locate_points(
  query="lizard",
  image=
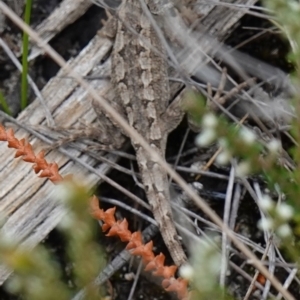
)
(139, 75)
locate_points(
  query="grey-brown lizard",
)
(140, 78)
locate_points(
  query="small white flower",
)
(274, 146)
(265, 224)
(265, 203)
(206, 137)
(223, 158)
(129, 276)
(67, 222)
(197, 186)
(198, 165)
(14, 284)
(294, 5)
(209, 121)
(186, 271)
(285, 211)
(284, 231)
(63, 192)
(9, 240)
(223, 143)
(243, 169)
(247, 135)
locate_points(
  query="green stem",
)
(4, 104)
(24, 86)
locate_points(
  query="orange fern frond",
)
(24, 150)
(137, 247)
